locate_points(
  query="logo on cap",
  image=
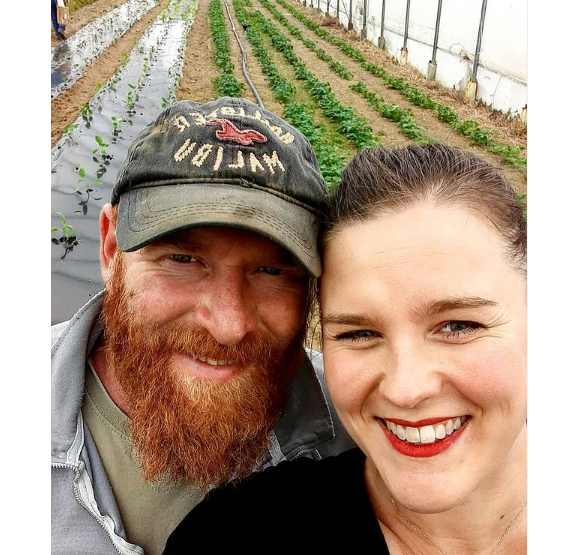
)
(229, 132)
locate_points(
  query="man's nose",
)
(228, 311)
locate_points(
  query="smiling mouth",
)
(214, 362)
(425, 434)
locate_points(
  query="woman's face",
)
(424, 339)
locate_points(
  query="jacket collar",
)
(68, 359)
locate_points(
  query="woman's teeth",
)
(426, 434)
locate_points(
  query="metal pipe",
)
(337, 9)
(364, 27)
(479, 37)
(350, 16)
(382, 37)
(406, 25)
(436, 31)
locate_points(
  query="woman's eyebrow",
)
(453, 303)
(424, 310)
(361, 320)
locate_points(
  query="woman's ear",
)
(107, 227)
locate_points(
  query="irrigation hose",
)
(242, 49)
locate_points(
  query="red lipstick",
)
(421, 449)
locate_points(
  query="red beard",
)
(187, 429)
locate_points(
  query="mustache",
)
(199, 343)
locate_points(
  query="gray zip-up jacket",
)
(85, 517)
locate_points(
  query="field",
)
(342, 93)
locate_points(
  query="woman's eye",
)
(183, 258)
(356, 335)
(460, 328)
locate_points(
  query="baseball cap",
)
(227, 162)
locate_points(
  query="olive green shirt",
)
(150, 512)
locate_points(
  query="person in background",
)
(190, 369)
(423, 301)
(59, 29)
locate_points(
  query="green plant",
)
(86, 114)
(104, 158)
(68, 239)
(226, 84)
(116, 130)
(69, 129)
(84, 188)
(102, 146)
(132, 96)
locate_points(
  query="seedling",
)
(87, 114)
(68, 238)
(132, 97)
(116, 130)
(88, 189)
(69, 130)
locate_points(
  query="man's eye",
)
(183, 258)
(271, 271)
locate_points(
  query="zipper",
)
(79, 469)
(314, 452)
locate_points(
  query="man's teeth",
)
(426, 434)
(215, 362)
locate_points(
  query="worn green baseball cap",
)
(228, 163)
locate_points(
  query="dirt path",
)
(197, 74)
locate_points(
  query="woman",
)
(423, 301)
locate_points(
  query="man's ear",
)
(107, 227)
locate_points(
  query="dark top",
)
(300, 506)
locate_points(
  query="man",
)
(58, 26)
(189, 369)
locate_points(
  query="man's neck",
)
(105, 373)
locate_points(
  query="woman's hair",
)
(392, 180)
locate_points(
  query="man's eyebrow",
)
(281, 257)
(172, 243)
(453, 303)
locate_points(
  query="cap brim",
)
(150, 213)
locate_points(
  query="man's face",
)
(204, 332)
